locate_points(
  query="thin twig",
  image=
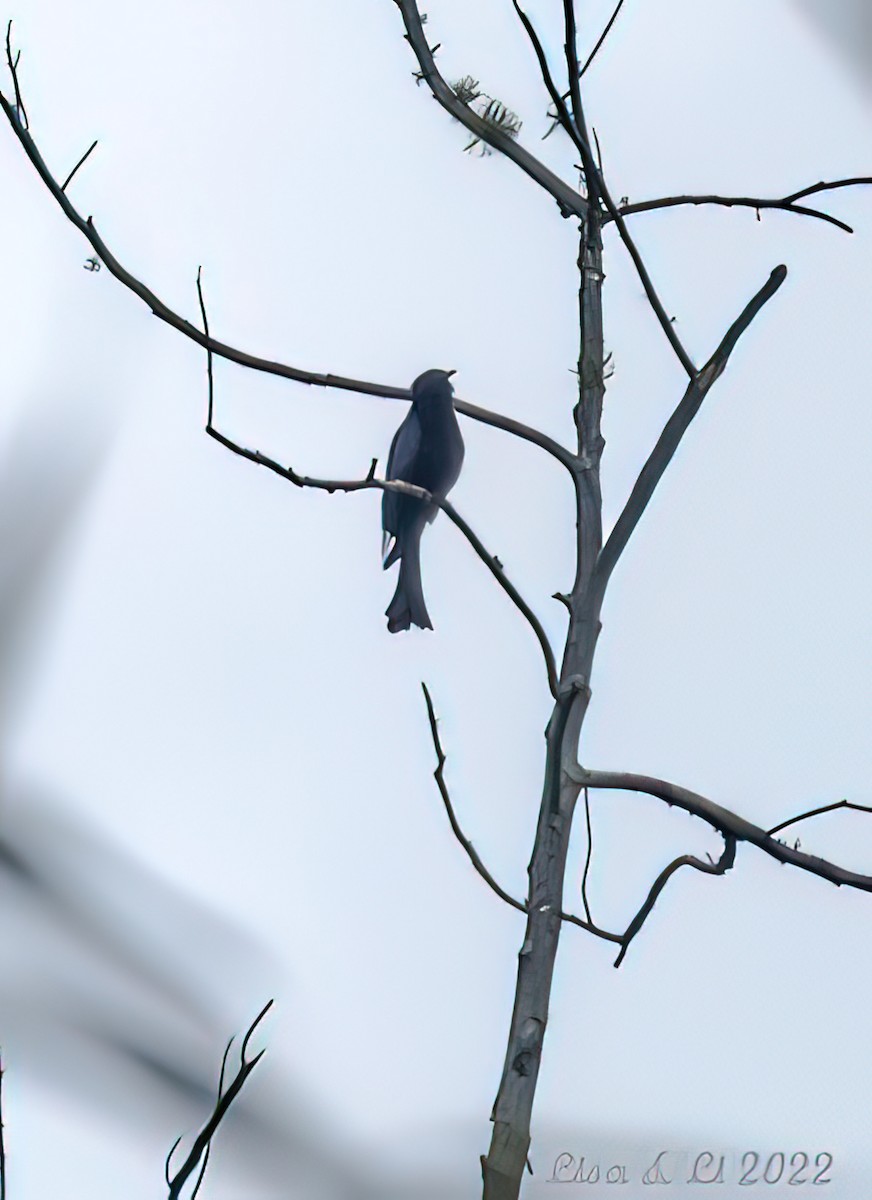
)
(786, 204)
(816, 812)
(605, 33)
(723, 864)
(13, 70)
(208, 1151)
(646, 281)
(588, 857)
(164, 313)
(491, 561)
(575, 126)
(570, 48)
(725, 821)
(563, 116)
(78, 164)
(222, 1105)
(568, 200)
(470, 850)
(467, 845)
(209, 409)
(602, 37)
(674, 431)
(827, 187)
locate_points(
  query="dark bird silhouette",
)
(427, 450)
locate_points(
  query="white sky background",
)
(212, 689)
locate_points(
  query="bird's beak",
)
(448, 374)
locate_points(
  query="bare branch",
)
(491, 561)
(786, 204)
(727, 822)
(816, 812)
(674, 431)
(827, 187)
(254, 363)
(470, 849)
(209, 374)
(568, 201)
(647, 283)
(588, 857)
(467, 845)
(68, 179)
(723, 864)
(208, 1151)
(563, 117)
(12, 63)
(575, 125)
(223, 1103)
(602, 37)
(570, 48)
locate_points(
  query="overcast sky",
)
(210, 741)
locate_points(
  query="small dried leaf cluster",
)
(492, 111)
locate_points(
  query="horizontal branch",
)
(674, 431)
(785, 204)
(164, 313)
(491, 561)
(568, 200)
(725, 821)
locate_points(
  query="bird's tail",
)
(407, 607)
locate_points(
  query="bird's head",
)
(433, 385)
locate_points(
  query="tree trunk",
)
(503, 1167)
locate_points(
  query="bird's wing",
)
(401, 463)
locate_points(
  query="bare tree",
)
(494, 128)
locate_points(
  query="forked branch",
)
(199, 1153)
(568, 200)
(726, 822)
(785, 204)
(575, 123)
(624, 939)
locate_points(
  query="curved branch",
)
(722, 819)
(723, 864)
(756, 202)
(164, 313)
(491, 561)
(674, 430)
(569, 201)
